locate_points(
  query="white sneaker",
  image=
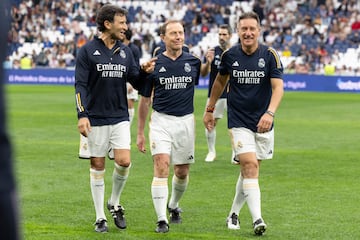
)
(259, 227)
(210, 157)
(232, 222)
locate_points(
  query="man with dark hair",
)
(103, 66)
(132, 94)
(212, 61)
(254, 72)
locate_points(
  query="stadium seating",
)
(145, 17)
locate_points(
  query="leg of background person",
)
(239, 198)
(233, 159)
(211, 141)
(131, 109)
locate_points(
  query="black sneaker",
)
(118, 216)
(259, 227)
(162, 227)
(175, 215)
(101, 225)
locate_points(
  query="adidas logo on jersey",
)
(96, 53)
(162, 69)
(235, 64)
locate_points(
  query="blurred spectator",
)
(291, 67)
(286, 52)
(271, 37)
(7, 64)
(355, 38)
(288, 38)
(346, 71)
(302, 67)
(329, 69)
(41, 59)
(26, 62)
(356, 25)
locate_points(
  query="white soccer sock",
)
(97, 186)
(159, 193)
(252, 196)
(131, 114)
(211, 139)
(239, 198)
(178, 188)
(119, 177)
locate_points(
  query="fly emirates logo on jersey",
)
(248, 77)
(175, 82)
(110, 70)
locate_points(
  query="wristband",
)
(210, 109)
(270, 113)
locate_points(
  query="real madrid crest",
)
(122, 54)
(261, 63)
(187, 67)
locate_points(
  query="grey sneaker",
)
(175, 215)
(259, 227)
(162, 227)
(101, 225)
(118, 216)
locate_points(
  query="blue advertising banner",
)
(320, 83)
(40, 76)
(292, 82)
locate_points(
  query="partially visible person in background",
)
(132, 93)
(9, 218)
(212, 61)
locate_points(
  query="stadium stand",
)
(313, 33)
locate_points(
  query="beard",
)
(222, 43)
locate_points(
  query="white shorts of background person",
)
(132, 93)
(220, 109)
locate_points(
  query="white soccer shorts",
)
(174, 136)
(245, 140)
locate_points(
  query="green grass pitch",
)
(310, 190)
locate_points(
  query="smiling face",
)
(249, 32)
(117, 28)
(173, 36)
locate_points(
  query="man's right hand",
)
(209, 121)
(140, 142)
(84, 126)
